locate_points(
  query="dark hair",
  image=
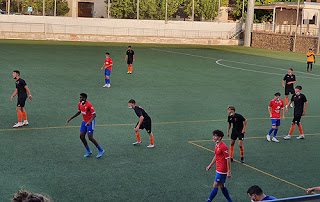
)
(25, 196)
(291, 69)
(218, 133)
(232, 108)
(255, 189)
(107, 53)
(132, 101)
(310, 48)
(84, 95)
(129, 46)
(277, 94)
(299, 87)
(17, 71)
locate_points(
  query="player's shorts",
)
(21, 101)
(275, 122)
(129, 62)
(89, 129)
(309, 63)
(296, 118)
(220, 178)
(146, 124)
(236, 134)
(288, 90)
(107, 72)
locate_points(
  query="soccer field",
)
(184, 89)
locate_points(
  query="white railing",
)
(286, 29)
(19, 27)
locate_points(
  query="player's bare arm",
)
(211, 164)
(14, 94)
(244, 126)
(134, 58)
(305, 109)
(288, 106)
(74, 116)
(310, 190)
(139, 124)
(126, 57)
(229, 168)
(229, 126)
(92, 118)
(270, 113)
(103, 66)
(29, 93)
(283, 114)
(283, 84)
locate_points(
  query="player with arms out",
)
(223, 162)
(300, 108)
(107, 66)
(130, 57)
(21, 89)
(143, 123)
(87, 126)
(287, 83)
(238, 130)
(311, 58)
(275, 107)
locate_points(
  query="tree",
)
(123, 9)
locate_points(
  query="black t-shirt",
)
(141, 112)
(20, 85)
(289, 78)
(237, 121)
(130, 55)
(299, 101)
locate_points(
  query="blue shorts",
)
(107, 72)
(89, 129)
(275, 122)
(220, 178)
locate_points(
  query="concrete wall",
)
(115, 30)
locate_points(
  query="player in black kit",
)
(300, 108)
(143, 123)
(130, 59)
(21, 89)
(287, 83)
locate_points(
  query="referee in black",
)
(130, 58)
(287, 83)
(21, 89)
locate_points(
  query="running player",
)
(222, 159)
(238, 130)
(290, 79)
(21, 89)
(143, 123)
(86, 109)
(311, 58)
(131, 58)
(274, 108)
(300, 108)
(107, 66)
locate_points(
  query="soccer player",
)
(21, 89)
(131, 58)
(300, 108)
(275, 107)
(222, 159)
(256, 194)
(143, 123)
(290, 79)
(86, 109)
(311, 58)
(107, 66)
(238, 130)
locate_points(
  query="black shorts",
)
(146, 124)
(236, 134)
(129, 62)
(288, 90)
(296, 118)
(21, 101)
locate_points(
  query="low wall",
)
(283, 42)
(120, 39)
